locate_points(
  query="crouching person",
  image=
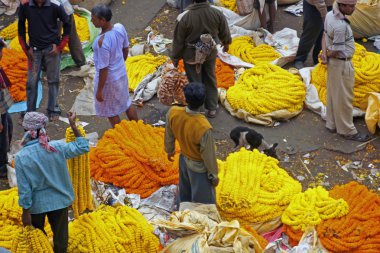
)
(198, 171)
(44, 184)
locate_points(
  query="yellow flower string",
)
(253, 188)
(266, 88)
(244, 48)
(31, 239)
(11, 31)
(79, 169)
(83, 30)
(309, 208)
(229, 4)
(140, 66)
(132, 156)
(367, 72)
(109, 229)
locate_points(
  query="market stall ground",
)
(307, 151)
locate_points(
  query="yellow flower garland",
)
(31, 239)
(266, 88)
(140, 66)
(79, 169)
(253, 188)
(367, 72)
(10, 31)
(229, 4)
(309, 208)
(83, 30)
(244, 48)
(109, 229)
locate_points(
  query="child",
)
(6, 126)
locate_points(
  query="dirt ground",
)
(306, 150)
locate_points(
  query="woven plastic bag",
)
(365, 21)
(372, 115)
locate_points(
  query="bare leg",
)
(272, 16)
(114, 120)
(132, 113)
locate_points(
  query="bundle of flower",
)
(267, 88)
(109, 229)
(79, 169)
(31, 239)
(309, 208)
(11, 31)
(253, 188)
(15, 65)
(132, 156)
(170, 90)
(244, 47)
(229, 4)
(359, 230)
(367, 72)
(225, 74)
(140, 66)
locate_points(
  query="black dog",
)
(250, 139)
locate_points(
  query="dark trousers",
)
(5, 140)
(312, 32)
(59, 224)
(193, 186)
(207, 77)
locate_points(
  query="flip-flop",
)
(211, 114)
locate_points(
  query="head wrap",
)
(346, 1)
(32, 122)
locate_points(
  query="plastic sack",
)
(309, 243)
(372, 115)
(250, 22)
(365, 21)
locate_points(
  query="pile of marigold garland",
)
(367, 72)
(224, 73)
(267, 88)
(15, 65)
(139, 66)
(79, 169)
(132, 156)
(358, 231)
(31, 239)
(253, 188)
(244, 48)
(229, 4)
(109, 229)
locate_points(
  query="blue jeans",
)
(5, 140)
(193, 186)
(52, 64)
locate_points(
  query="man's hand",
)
(54, 50)
(215, 181)
(1, 127)
(175, 63)
(324, 58)
(26, 218)
(29, 54)
(226, 48)
(170, 157)
(99, 96)
(72, 118)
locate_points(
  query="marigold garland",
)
(309, 208)
(225, 74)
(109, 229)
(229, 4)
(267, 88)
(31, 239)
(11, 30)
(261, 240)
(81, 24)
(367, 72)
(140, 66)
(132, 156)
(253, 188)
(79, 169)
(15, 65)
(244, 48)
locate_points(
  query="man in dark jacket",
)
(199, 19)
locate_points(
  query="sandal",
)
(211, 114)
(358, 137)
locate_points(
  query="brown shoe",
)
(360, 137)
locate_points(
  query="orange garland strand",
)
(132, 156)
(261, 240)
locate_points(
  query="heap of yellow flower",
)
(309, 208)
(81, 24)
(31, 239)
(140, 66)
(79, 169)
(229, 4)
(11, 31)
(367, 73)
(244, 48)
(267, 88)
(253, 188)
(109, 229)
(132, 156)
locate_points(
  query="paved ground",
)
(304, 135)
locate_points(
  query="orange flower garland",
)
(132, 156)
(15, 65)
(261, 240)
(225, 74)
